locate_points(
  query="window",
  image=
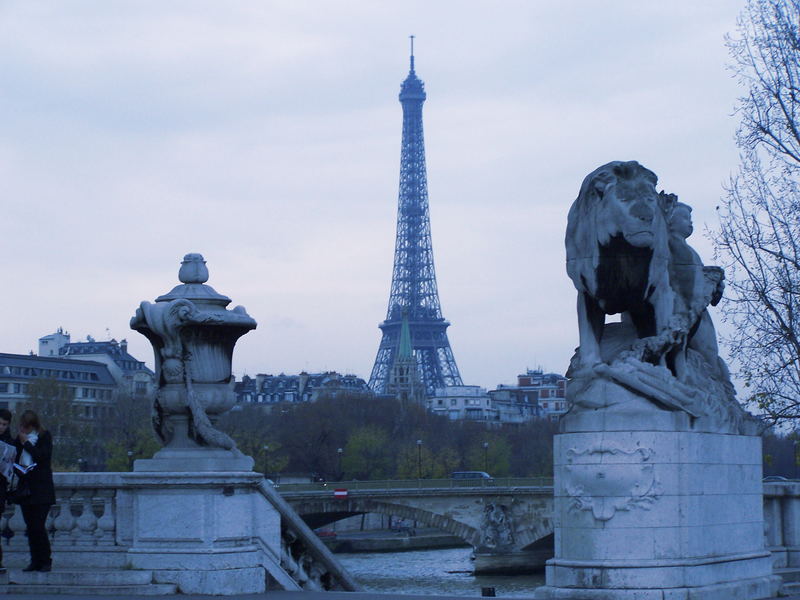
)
(453, 401)
(17, 388)
(3, 387)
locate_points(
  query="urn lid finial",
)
(193, 269)
(193, 275)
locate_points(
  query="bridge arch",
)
(323, 511)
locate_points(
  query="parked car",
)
(471, 476)
(773, 478)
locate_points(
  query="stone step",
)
(790, 589)
(789, 575)
(84, 577)
(152, 589)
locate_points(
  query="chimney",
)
(123, 346)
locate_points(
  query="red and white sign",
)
(340, 493)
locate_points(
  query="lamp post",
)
(266, 461)
(419, 459)
(486, 457)
(130, 460)
(339, 452)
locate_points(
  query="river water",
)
(432, 572)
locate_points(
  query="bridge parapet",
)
(419, 484)
(782, 523)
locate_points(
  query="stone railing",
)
(416, 484)
(91, 526)
(782, 523)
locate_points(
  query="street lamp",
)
(266, 461)
(130, 460)
(419, 459)
(339, 453)
(486, 457)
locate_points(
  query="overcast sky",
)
(266, 136)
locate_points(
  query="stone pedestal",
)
(195, 460)
(654, 510)
(199, 530)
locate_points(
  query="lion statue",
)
(627, 254)
(618, 254)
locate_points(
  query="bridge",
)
(507, 521)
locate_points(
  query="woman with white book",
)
(34, 453)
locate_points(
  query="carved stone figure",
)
(193, 336)
(627, 254)
(496, 528)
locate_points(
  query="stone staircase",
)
(791, 581)
(87, 582)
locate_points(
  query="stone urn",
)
(193, 335)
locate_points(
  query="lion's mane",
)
(589, 227)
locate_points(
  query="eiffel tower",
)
(414, 292)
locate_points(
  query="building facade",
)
(90, 387)
(536, 395)
(130, 374)
(457, 402)
(269, 390)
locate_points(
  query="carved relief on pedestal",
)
(610, 478)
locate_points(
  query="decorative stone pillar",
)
(194, 501)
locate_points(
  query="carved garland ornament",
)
(605, 487)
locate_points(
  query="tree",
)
(73, 436)
(492, 454)
(759, 237)
(128, 432)
(415, 461)
(367, 454)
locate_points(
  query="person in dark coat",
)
(5, 436)
(35, 447)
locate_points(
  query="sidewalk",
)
(272, 595)
(276, 595)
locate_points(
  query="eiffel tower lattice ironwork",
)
(414, 291)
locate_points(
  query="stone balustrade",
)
(91, 526)
(782, 523)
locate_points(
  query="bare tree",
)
(759, 237)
